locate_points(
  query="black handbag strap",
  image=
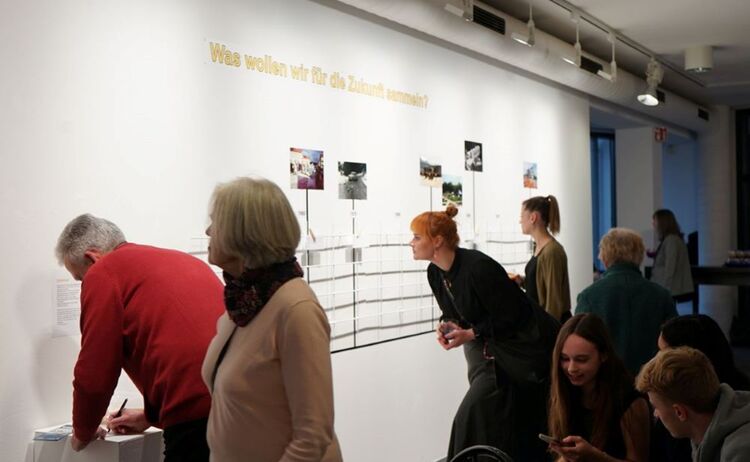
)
(447, 286)
(221, 357)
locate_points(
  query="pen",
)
(119, 412)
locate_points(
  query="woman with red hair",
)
(507, 341)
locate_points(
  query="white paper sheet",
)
(67, 302)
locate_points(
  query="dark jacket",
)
(476, 292)
(633, 309)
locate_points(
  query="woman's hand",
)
(444, 328)
(574, 448)
(517, 278)
(454, 336)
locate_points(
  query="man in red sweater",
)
(151, 312)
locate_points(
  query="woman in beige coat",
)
(671, 268)
(269, 367)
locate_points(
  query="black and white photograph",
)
(472, 156)
(431, 174)
(352, 180)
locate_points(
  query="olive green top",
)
(552, 284)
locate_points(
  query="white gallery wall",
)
(638, 161)
(118, 109)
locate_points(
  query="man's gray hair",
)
(87, 232)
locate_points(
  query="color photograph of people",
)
(306, 168)
(431, 174)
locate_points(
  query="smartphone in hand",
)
(548, 439)
(446, 329)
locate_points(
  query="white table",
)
(146, 447)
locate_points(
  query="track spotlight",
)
(654, 74)
(575, 60)
(465, 10)
(612, 74)
(529, 38)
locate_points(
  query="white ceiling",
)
(665, 27)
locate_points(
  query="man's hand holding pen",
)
(100, 434)
(127, 421)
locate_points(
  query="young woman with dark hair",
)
(671, 263)
(595, 413)
(507, 341)
(703, 333)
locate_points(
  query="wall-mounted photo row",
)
(472, 156)
(530, 177)
(452, 190)
(392, 296)
(352, 180)
(430, 173)
(306, 168)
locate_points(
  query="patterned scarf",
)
(246, 295)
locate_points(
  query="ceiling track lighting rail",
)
(576, 59)
(651, 96)
(599, 24)
(529, 39)
(612, 74)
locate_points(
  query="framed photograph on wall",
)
(452, 190)
(472, 156)
(306, 169)
(530, 177)
(352, 180)
(430, 173)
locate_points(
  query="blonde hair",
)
(251, 219)
(434, 224)
(621, 245)
(682, 375)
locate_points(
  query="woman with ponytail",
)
(507, 341)
(546, 281)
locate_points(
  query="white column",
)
(638, 177)
(717, 219)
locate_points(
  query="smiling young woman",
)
(594, 409)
